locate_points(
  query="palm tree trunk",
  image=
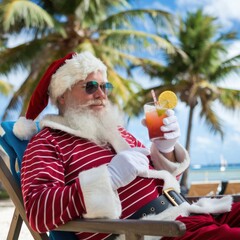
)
(184, 178)
(189, 129)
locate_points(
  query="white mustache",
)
(94, 102)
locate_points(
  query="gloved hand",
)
(127, 165)
(171, 132)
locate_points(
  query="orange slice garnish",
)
(168, 99)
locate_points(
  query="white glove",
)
(171, 132)
(127, 165)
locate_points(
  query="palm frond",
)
(20, 56)
(212, 120)
(23, 10)
(227, 36)
(225, 68)
(21, 97)
(5, 88)
(128, 18)
(229, 98)
(87, 9)
(133, 40)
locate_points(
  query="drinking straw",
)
(154, 97)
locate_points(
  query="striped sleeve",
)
(132, 141)
(48, 201)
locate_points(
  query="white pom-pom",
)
(25, 129)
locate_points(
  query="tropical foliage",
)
(195, 74)
(5, 87)
(112, 30)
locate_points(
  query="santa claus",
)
(83, 163)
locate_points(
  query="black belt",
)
(169, 198)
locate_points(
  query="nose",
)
(100, 93)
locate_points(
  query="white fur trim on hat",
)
(25, 129)
(74, 70)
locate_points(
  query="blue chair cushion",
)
(15, 148)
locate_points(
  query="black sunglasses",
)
(92, 86)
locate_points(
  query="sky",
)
(205, 148)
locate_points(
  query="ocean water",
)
(207, 173)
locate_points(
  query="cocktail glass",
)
(154, 115)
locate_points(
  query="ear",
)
(61, 100)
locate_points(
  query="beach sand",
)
(6, 213)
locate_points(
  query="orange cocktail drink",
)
(154, 120)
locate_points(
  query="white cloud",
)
(18, 39)
(203, 141)
(184, 6)
(231, 146)
(236, 128)
(158, 5)
(236, 138)
(233, 121)
(229, 117)
(226, 10)
(234, 49)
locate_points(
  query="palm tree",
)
(52, 28)
(195, 74)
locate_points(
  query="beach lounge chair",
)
(232, 187)
(198, 189)
(133, 229)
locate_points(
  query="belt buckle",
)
(172, 200)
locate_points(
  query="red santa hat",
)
(60, 76)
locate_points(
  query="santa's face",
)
(77, 95)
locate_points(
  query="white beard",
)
(97, 126)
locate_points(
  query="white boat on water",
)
(223, 163)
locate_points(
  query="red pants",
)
(208, 227)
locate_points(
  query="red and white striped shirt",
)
(50, 184)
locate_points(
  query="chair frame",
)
(232, 187)
(204, 189)
(15, 194)
(133, 229)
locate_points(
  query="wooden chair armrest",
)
(236, 198)
(133, 229)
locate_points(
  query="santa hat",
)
(60, 76)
